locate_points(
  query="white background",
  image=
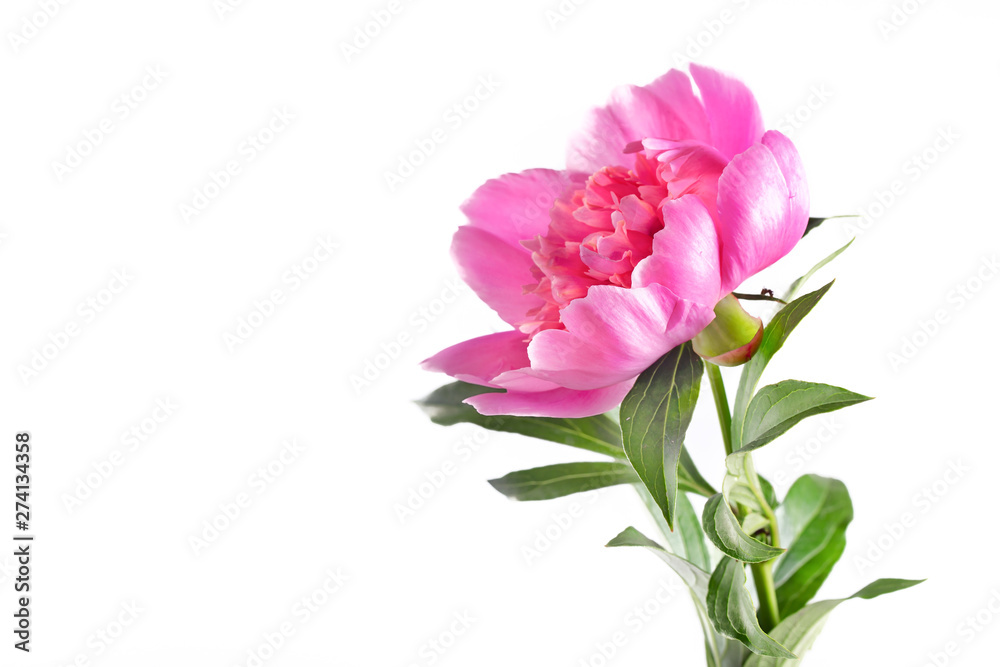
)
(864, 100)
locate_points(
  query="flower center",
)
(597, 236)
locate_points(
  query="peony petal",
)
(685, 256)
(613, 334)
(666, 108)
(563, 403)
(496, 272)
(689, 167)
(479, 360)
(758, 222)
(515, 207)
(732, 110)
(795, 174)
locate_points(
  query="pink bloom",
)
(669, 202)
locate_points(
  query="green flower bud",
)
(732, 337)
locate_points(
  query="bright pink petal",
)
(479, 360)
(795, 175)
(515, 207)
(732, 110)
(564, 403)
(759, 218)
(496, 272)
(690, 167)
(685, 256)
(666, 108)
(613, 334)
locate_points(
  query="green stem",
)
(763, 580)
(763, 577)
(721, 405)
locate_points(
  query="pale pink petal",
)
(666, 108)
(479, 360)
(613, 334)
(564, 403)
(732, 110)
(515, 207)
(758, 221)
(685, 255)
(496, 272)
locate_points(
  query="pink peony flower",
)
(669, 202)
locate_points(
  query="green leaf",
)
(719, 651)
(687, 541)
(654, 418)
(816, 222)
(692, 575)
(778, 407)
(768, 490)
(794, 287)
(775, 334)
(563, 479)
(813, 521)
(723, 529)
(732, 610)
(813, 224)
(596, 434)
(799, 631)
(689, 479)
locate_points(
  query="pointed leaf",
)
(692, 575)
(813, 521)
(813, 223)
(597, 434)
(732, 610)
(563, 479)
(723, 529)
(654, 418)
(799, 631)
(793, 289)
(689, 479)
(775, 334)
(778, 407)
